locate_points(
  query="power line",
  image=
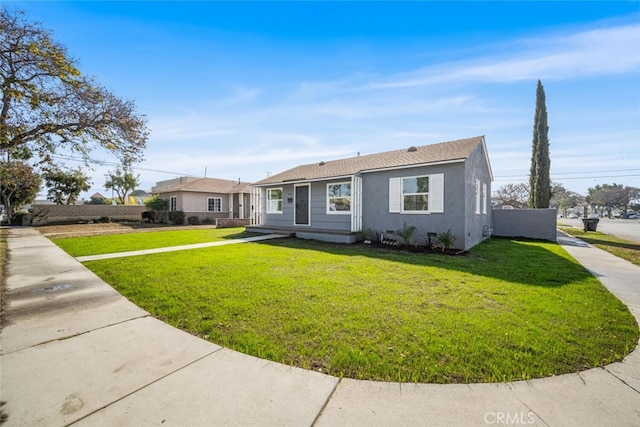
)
(524, 178)
(575, 173)
(107, 163)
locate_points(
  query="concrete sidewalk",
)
(76, 352)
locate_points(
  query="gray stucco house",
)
(433, 187)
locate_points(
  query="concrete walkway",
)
(76, 352)
(178, 248)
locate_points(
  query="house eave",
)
(304, 180)
(348, 176)
(417, 165)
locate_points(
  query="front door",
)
(302, 205)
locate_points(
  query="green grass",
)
(104, 244)
(622, 248)
(508, 310)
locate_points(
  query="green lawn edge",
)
(506, 311)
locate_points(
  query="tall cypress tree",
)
(540, 178)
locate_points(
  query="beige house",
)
(206, 198)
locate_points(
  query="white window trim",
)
(477, 196)
(214, 198)
(484, 199)
(428, 193)
(436, 195)
(329, 211)
(268, 207)
(173, 203)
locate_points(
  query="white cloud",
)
(596, 52)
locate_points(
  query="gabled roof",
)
(209, 185)
(450, 151)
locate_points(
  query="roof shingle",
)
(444, 151)
(209, 185)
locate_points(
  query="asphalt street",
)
(624, 228)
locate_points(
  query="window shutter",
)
(436, 193)
(395, 194)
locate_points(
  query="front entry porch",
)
(333, 236)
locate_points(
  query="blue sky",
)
(244, 89)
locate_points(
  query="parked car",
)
(573, 216)
(633, 216)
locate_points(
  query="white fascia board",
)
(304, 181)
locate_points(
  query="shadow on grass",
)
(604, 242)
(530, 263)
(241, 235)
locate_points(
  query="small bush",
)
(103, 220)
(365, 234)
(406, 232)
(148, 216)
(19, 218)
(176, 217)
(446, 238)
(155, 203)
(208, 221)
(193, 220)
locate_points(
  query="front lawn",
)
(105, 244)
(508, 310)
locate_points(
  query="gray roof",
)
(457, 150)
(208, 185)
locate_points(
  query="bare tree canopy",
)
(48, 104)
(516, 195)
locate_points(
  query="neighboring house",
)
(206, 197)
(138, 198)
(436, 188)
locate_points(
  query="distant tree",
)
(563, 199)
(122, 181)
(516, 195)
(604, 198)
(634, 198)
(19, 185)
(65, 186)
(48, 104)
(540, 178)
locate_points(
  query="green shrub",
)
(193, 220)
(365, 234)
(155, 203)
(406, 232)
(176, 217)
(208, 221)
(446, 238)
